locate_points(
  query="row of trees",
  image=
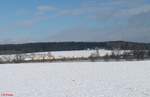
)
(48, 57)
(20, 58)
(122, 55)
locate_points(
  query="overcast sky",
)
(24, 21)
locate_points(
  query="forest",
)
(68, 46)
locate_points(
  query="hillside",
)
(67, 46)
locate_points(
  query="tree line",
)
(114, 55)
(119, 55)
(68, 46)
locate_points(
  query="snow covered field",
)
(58, 54)
(87, 79)
(61, 54)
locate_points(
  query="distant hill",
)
(67, 46)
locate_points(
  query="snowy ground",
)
(87, 79)
(61, 54)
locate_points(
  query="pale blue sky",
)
(74, 20)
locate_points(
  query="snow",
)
(82, 53)
(79, 53)
(61, 54)
(75, 53)
(76, 79)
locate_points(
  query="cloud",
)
(117, 9)
(42, 9)
(135, 26)
(133, 16)
(81, 33)
(29, 23)
(23, 24)
(96, 9)
(133, 11)
(100, 10)
(77, 34)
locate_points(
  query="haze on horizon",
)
(25, 21)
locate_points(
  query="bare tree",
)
(19, 58)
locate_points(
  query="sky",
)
(23, 21)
